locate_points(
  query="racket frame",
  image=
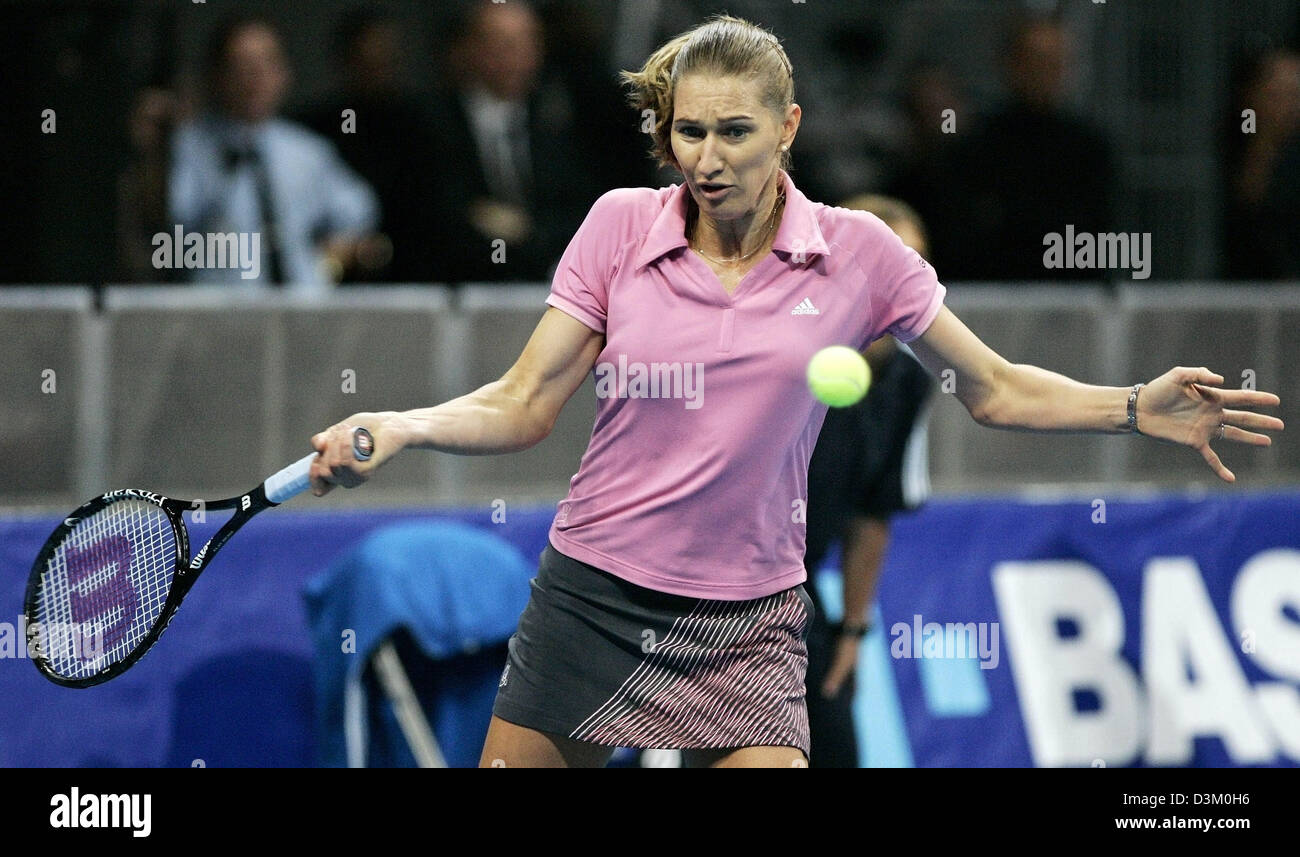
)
(184, 575)
(283, 486)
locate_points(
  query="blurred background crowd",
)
(464, 141)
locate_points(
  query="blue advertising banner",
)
(1162, 632)
(1157, 633)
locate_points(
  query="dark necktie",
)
(237, 157)
(506, 160)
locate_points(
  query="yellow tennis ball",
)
(838, 376)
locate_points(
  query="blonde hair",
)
(893, 211)
(723, 45)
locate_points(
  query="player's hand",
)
(843, 663)
(1186, 406)
(337, 464)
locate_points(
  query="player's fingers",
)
(1252, 420)
(319, 476)
(336, 462)
(1212, 459)
(340, 447)
(1249, 398)
(344, 475)
(831, 684)
(1195, 379)
(1201, 375)
(839, 672)
(344, 466)
(1237, 435)
(324, 443)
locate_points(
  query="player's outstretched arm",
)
(512, 413)
(1184, 405)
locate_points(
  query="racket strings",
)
(104, 587)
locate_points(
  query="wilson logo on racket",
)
(121, 565)
(100, 589)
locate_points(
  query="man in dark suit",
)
(509, 173)
(1027, 169)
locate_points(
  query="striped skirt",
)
(599, 659)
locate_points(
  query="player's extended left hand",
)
(1188, 407)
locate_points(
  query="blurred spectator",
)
(870, 463)
(239, 168)
(1027, 170)
(142, 185)
(513, 178)
(924, 160)
(1262, 211)
(386, 138)
(578, 42)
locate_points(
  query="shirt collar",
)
(798, 233)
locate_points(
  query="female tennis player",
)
(668, 609)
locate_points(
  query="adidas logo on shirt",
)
(805, 308)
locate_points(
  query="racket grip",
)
(293, 480)
(289, 482)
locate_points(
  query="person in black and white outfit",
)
(869, 464)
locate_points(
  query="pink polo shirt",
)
(695, 479)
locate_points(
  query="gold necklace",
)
(771, 221)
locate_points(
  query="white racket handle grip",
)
(293, 480)
(290, 482)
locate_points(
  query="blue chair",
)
(409, 630)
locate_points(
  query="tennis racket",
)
(112, 575)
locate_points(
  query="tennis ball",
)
(838, 376)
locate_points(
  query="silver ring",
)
(1222, 429)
